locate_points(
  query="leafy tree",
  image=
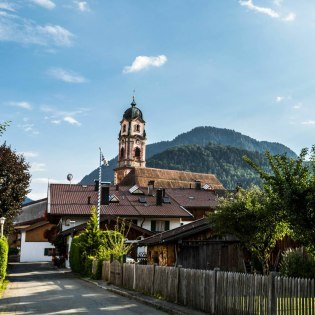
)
(14, 183)
(249, 215)
(291, 183)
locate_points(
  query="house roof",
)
(177, 233)
(65, 199)
(82, 226)
(32, 212)
(169, 178)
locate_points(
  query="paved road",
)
(37, 288)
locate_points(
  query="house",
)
(194, 246)
(30, 233)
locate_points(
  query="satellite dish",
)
(69, 177)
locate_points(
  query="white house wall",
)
(33, 251)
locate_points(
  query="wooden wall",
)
(37, 234)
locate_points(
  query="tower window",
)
(137, 128)
(124, 128)
(122, 152)
(137, 152)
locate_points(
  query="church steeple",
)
(132, 141)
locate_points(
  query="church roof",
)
(133, 112)
(169, 178)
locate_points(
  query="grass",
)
(3, 286)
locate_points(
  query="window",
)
(124, 128)
(48, 251)
(122, 152)
(136, 128)
(160, 226)
(137, 152)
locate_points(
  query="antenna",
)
(69, 178)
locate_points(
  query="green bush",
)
(297, 263)
(75, 255)
(4, 250)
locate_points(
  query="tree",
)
(291, 184)
(249, 215)
(14, 183)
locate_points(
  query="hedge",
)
(4, 250)
(75, 258)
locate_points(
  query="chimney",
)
(89, 200)
(163, 190)
(197, 184)
(159, 197)
(150, 187)
(96, 184)
(105, 195)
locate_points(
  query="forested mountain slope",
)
(201, 136)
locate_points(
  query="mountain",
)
(223, 161)
(201, 136)
(27, 200)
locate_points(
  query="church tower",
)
(132, 142)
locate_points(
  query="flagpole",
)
(99, 191)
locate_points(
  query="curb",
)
(157, 304)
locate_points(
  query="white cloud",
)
(56, 121)
(24, 105)
(82, 6)
(29, 154)
(71, 121)
(297, 106)
(308, 122)
(29, 128)
(144, 62)
(249, 4)
(279, 99)
(47, 4)
(7, 6)
(290, 17)
(278, 2)
(25, 31)
(66, 76)
(38, 167)
(264, 10)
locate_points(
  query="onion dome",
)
(133, 112)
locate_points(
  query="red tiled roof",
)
(169, 178)
(73, 200)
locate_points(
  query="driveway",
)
(37, 288)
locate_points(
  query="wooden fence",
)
(217, 292)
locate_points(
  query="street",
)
(37, 288)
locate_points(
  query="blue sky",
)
(69, 68)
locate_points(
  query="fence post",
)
(177, 283)
(272, 300)
(134, 276)
(153, 277)
(214, 290)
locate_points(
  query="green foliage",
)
(297, 263)
(14, 183)
(249, 215)
(4, 250)
(3, 127)
(291, 183)
(75, 255)
(94, 243)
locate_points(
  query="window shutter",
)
(167, 225)
(153, 225)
